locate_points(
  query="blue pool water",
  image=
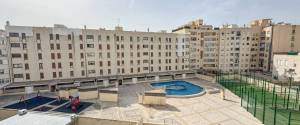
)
(179, 88)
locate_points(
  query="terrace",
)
(209, 108)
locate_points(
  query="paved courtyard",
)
(208, 109)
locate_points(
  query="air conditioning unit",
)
(22, 112)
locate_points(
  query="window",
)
(26, 66)
(91, 54)
(108, 47)
(52, 46)
(23, 36)
(89, 37)
(59, 74)
(69, 37)
(91, 71)
(101, 72)
(81, 46)
(82, 73)
(131, 38)
(51, 36)
(54, 75)
(25, 56)
(58, 46)
(18, 75)
(15, 45)
(52, 56)
(39, 47)
(57, 36)
(100, 63)
(58, 56)
(82, 64)
(81, 55)
(38, 36)
(59, 65)
(90, 45)
(109, 71)
(107, 38)
(91, 62)
(108, 55)
(80, 37)
(40, 65)
(1, 71)
(24, 46)
(72, 73)
(108, 63)
(71, 64)
(27, 76)
(17, 65)
(41, 75)
(138, 39)
(70, 56)
(100, 47)
(70, 46)
(53, 66)
(99, 37)
(16, 55)
(12, 34)
(40, 56)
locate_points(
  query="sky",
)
(143, 14)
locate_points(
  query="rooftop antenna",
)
(118, 21)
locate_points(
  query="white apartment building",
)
(4, 65)
(49, 53)
(286, 65)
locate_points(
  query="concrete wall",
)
(207, 78)
(6, 113)
(111, 97)
(88, 94)
(154, 100)
(96, 121)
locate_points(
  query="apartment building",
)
(285, 38)
(211, 50)
(197, 30)
(49, 53)
(238, 50)
(4, 65)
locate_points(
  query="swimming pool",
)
(180, 88)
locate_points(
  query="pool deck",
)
(208, 109)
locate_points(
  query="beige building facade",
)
(4, 60)
(49, 53)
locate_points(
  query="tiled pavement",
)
(209, 109)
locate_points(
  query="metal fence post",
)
(255, 101)
(288, 99)
(273, 95)
(284, 97)
(264, 109)
(275, 110)
(242, 97)
(290, 115)
(248, 101)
